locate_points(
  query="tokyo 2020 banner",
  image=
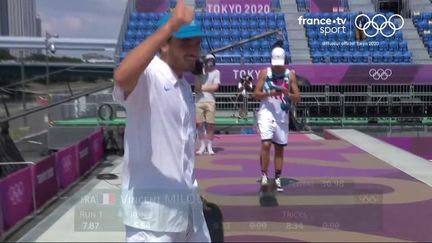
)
(45, 180)
(67, 166)
(238, 6)
(335, 74)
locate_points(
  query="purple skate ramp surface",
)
(334, 191)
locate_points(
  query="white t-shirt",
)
(159, 189)
(270, 107)
(212, 77)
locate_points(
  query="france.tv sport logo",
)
(378, 27)
(327, 25)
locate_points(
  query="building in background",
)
(18, 18)
(4, 22)
(38, 26)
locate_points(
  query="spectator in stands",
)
(205, 86)
(272, 117)
(158, 173)
(361, 21)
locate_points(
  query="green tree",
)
(41, 58)
(5, 55)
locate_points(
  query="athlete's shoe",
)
(201, 150)
(278, 184)
(210, 150)
(264, 180)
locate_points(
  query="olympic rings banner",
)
(17, 196)
(238, 6)
(45, 180)
(335, 74)
(387, 27)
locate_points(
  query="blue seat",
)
(142, 17)
(388, 57)
(355, 58)
(280, 23)
(345, 57)
(383, 46)
(393, 46)
(199, 15)
(130, 34)
(134, 16)
(314, 45)
(133, 25)
(427, 15)
(398, 35)
(364, 57)
(416, 17)
(398, 57)
(377, 57)
(312, 34)
(272, 24)
(216, 43)
(127, 45)
(407, 57)
(335, 57)
(372, 47)
(403, 45)
(422, 25)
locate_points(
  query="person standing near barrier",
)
(205, 86)
(245, 86)
(273, 112)
(160, 200)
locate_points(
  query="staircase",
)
(298, 43)
(361, 5)
(415, 44)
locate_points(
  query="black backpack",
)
(214, 220)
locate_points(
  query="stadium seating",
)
(221, 30)
(341, 46)
(423, 22)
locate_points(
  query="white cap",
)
(209, 56)
(278, 57)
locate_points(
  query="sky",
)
(82, 18)
(100, 19)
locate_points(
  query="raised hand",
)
(182, 14)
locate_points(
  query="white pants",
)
(140, 235)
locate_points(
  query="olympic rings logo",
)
(16, 193)
(379, 28)
(380, 74)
